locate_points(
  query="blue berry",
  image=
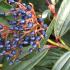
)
(11, 1)
(45, 25)
(8, 57)
(1, 46)
(38, 38)
(1, 27)
(3, 52)
(15, 35)
(13, 52)
(29, 7)
(22, 12)
(25, 42)
(17, 60)
(20, 28)
(14, 43)
(16, 39)
(30, 50)
(8, 48)
(15, 15)
(31, 42)
(30, 24)
(40, 20)
(16, 28)
(27, 38)
(43, 33)
(20, 46)
(11, 62)
(22, 21)
(12, 22)
(7, 42)
(32, 33)
(32, 38)
(34, 45)
(11, 55)
(29, 15)
(24, 4)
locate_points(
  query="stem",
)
(20, 1)
(58, 44)
(1, 65)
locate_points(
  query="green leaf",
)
(62, 24)
(29, 64)
(63, 63)
(4, 6)
(66, 38)
(4, 22)
(51, 57)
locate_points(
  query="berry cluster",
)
(26, 29)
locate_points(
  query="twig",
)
(58, 45)
(1, 65)
(20, 1)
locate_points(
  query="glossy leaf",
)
(50, 59)
(63, 63)
(62, 24)
(4, 6)
(4, 22)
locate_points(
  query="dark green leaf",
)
(4, 6)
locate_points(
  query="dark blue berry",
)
(31, 42)
(13, 52)
(17, 60)
(25, 42)
(7, 42)
(27, 38)
(1, 46)
(24, 4)
(1, 27)
(11, 1)
(11, 62)
(34, 45)
(32, 33)
(22, 12)
(30, 24)
(12, 22)
(20, 46)
(8, 57)
(17, 39)
(31, 50)
(45, 25)
(20, 28)
(16, 28)
(38, 38)
(22, 21)
(29, 7)
(29, 15)
(40, 20)
(32, 38)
